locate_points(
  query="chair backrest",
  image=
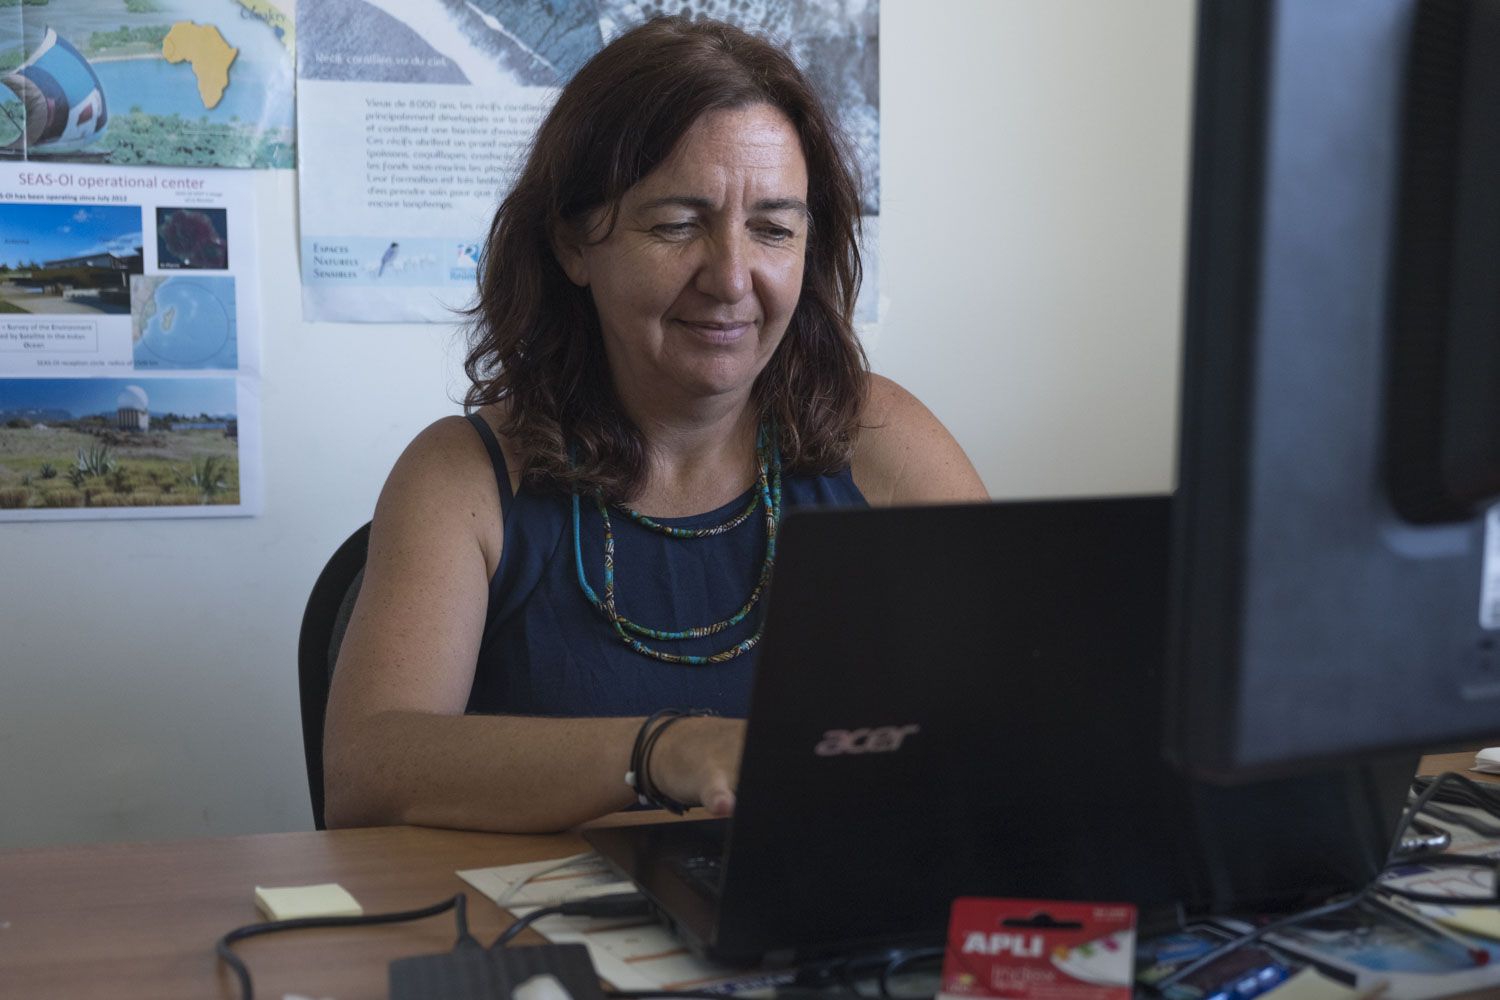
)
(323, 625)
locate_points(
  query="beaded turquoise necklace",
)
(766, 495)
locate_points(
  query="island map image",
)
(184, 322)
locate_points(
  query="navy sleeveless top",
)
(547, 651)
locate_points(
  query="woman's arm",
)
(904, 455)
(397, 746)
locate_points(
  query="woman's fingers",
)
(718, 798)
(697, 761)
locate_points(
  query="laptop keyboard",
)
(703, 872)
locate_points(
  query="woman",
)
(663, 359)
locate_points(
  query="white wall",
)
(1034, 170)
(1032, 223)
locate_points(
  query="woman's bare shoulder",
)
(903, 454)
(435, 541)
(447, 455)
(443, 482)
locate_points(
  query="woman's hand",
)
(697, 761)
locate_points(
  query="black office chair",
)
(323, 625)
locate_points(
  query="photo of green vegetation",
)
(88, 465)
(128, 456)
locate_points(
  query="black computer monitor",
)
(1337, 543)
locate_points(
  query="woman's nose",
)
(725, 270)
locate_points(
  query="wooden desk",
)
(1460, 762)
(129, 921)
(140, 920)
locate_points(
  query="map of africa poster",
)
(184, 83)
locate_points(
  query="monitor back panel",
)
(1315, 622)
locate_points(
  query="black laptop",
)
(966, 700)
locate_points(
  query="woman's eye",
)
(777, 234)
(673, 229)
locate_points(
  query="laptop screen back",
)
(958, 700)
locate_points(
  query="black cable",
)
(226, 955)
(844, 973)
(1433, 838)
(1474, 793)
(1454, 788)
(1449, 783)
(1456, 818)
(622, 904)
(509, 934)
(1449, 861)
(1485, 807)
(1413, 809)
(848, 972)
(1325, 910)
(670, 994)
(900, 961)
(889, 964)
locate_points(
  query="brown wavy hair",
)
(534, 338)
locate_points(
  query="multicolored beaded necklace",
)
(767, 495)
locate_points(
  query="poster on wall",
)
(129, 343)
(413, 116)
(186, 83)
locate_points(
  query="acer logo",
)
(881, 739)
(1000, 944)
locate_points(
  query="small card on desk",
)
(1016, 949)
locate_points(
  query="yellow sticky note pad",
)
(1481, 920)
(294, 902)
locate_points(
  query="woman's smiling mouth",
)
(718, 331)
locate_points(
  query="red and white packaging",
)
(1039, 949)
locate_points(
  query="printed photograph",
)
(64, 258)
(165, 442)
(189, 83)
(185, 321)
(196, 238)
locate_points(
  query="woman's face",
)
(698, 281)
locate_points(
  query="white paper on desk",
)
(590, 876)
(1413, 966)
(633, 954)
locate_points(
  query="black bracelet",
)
(653, 794)
(639, 775)
(632, 776)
